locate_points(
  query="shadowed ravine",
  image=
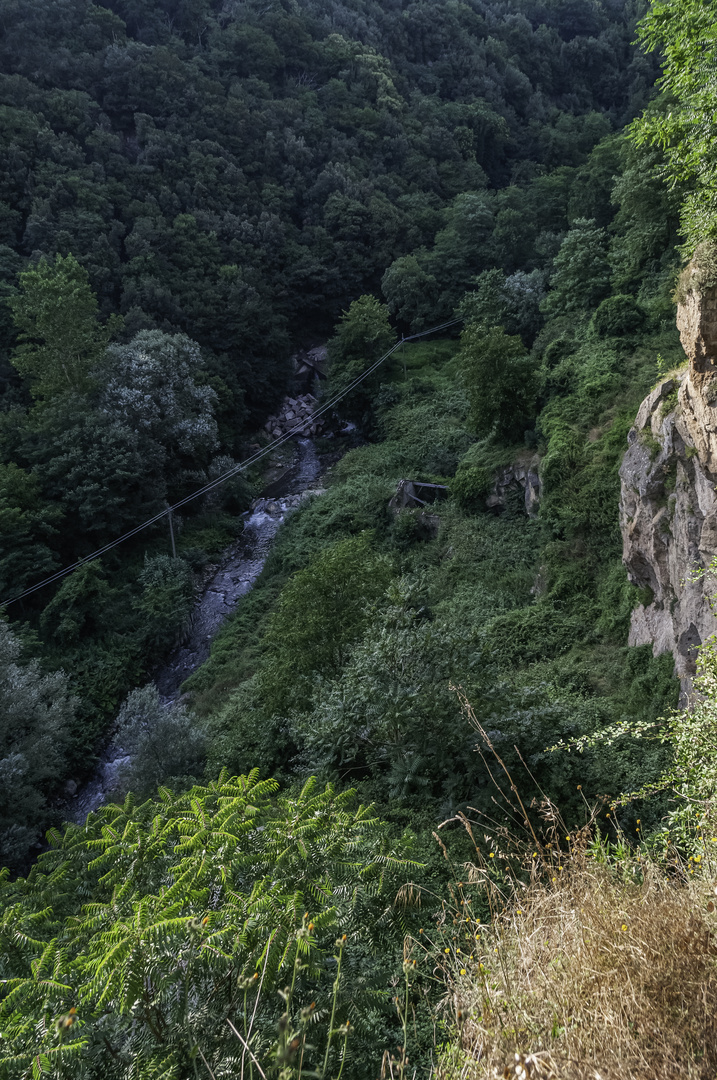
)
(240, 566)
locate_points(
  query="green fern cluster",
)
(187, 936)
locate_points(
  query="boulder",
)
(296, 417)
(523, 478)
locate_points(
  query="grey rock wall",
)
(668, 505)
(520, 477)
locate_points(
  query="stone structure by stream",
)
(296, 415)
(521, 478)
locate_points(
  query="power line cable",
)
(240, 467)
(231, 472)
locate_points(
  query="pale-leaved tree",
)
(36, 711)
(164, 742)
(154, 386)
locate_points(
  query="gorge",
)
(399, 759)
(239, 567)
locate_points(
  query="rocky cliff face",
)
(668, 506)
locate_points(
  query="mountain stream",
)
(235, 575)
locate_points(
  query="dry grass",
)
(596, 964)
(596, 977)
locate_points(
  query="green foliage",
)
(362, 336)
(26, 526)
(688, 768)
(36, 714)
(582, 385)
(616, 316)
(645, 229)
(581, 274)
(411, 292)
(470, 486)
(102, 474)
(323, 153)
(153, 385)
(539, 632)
(164, 743)
(581, 490)
(391, 713)
(679, 124)
(500, 381)
(321, 611)
(529, 616)
(242, 727)
(79, 609)
(56, 318)
(137, 936)
(166, 601)
(511, 302)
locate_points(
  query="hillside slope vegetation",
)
(191, 190)
(441, 691)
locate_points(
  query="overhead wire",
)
(234, 471)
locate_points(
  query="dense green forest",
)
(192, 191)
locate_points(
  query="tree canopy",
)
(60, 339)
(680, 123)
(37, 712)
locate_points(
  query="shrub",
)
(362, 336)
(581, 272)
(165, 743)
(617, 316)
(391, 713)
(165, 603)
(596, 959)
(500, 380)
(36, 716)
(470, 486)
(322, 610)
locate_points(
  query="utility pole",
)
(171, 531)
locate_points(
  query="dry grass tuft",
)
(596, 964)
(589, 976)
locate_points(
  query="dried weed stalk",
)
(585, 970)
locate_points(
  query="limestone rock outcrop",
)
(519, 478)
(668, 505)
(697, 323)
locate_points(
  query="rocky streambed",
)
(233, 577)
(240, 567)
(297, 415)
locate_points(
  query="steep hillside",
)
(192, 191)
(486, 844)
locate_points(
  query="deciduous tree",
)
(500, 380)
(362, 336)
(36, 711)
(60, 336)
(581, 275)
